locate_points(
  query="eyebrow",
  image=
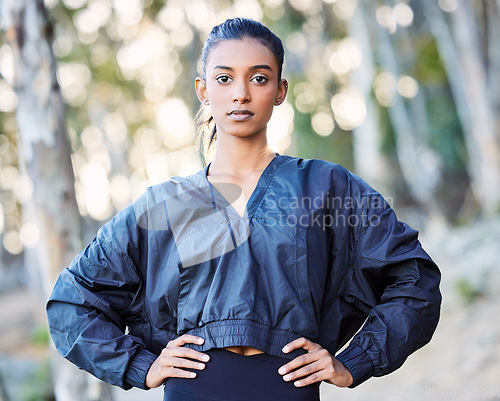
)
(252, 68)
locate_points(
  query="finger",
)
(186, 339)
(176, 372)
(298, 362)
(301, 342)
(163, 369)
(182, 363)
(185, 352)
(314, 378)
(305, 371)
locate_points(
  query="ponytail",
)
(206, 127)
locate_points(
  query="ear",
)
(282, 91)
(201, 90)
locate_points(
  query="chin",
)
(246, 133)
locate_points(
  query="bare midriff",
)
(244, 350)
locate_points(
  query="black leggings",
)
(229, 376)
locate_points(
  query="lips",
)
(240, 115)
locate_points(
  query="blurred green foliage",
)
(39, 386)
(40, 335)
(469, 292)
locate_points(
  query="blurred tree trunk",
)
(368, 159)
(45, 150)
(492, 24)
(411, 148)
(3, 391)
(472, 62)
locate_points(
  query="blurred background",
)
(97, 102)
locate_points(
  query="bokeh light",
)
(8, 177)
(12, 242)
(304, 6)
(91, 138)
(407, 86)
(50, 3)
(9, 206)
(29, 235)
(349, 108)
(149, 45)
(74, 4)
(273, 3)
(8, 98)
(63, 45)
(74, 79)
(403, 15)
(116, 130)
(120, 191)
(385, 87)
(346, 56)
(296, 43)
(128, 12)
(23, 189)
(448, 6)
(249, 8)
(280, 127)
(322, 123)
(171, 17)
(275, 12)
(386, 18)
(175, 121)
(160, 167)
(6, 64)
(344, 9)
(202, 16)
(88, 20)
(95, 191)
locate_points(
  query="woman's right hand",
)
(173, 357)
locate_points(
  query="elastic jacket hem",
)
(234, 332)
(359, 364)
(138, 369)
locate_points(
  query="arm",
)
(100, 293)
(392, 282)
(396, 284)
(87, 313)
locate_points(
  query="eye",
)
(260, 79)
(223, 79)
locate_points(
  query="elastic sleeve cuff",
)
(138, 369)
(357, 362)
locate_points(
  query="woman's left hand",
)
(317, 365)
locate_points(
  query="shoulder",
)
(176, 191)
(147, 210)
(175, 186)
(338, 178)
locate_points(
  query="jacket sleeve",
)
(92, 302)
(396, 284)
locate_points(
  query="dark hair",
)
(234, 29)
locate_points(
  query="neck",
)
(240, 156)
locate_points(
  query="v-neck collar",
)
(258, 193)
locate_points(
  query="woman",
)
(242, 281)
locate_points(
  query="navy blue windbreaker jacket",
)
(317, 254)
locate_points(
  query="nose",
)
(241, 93)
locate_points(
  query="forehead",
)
(240, 53)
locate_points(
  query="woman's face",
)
(241, 87)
